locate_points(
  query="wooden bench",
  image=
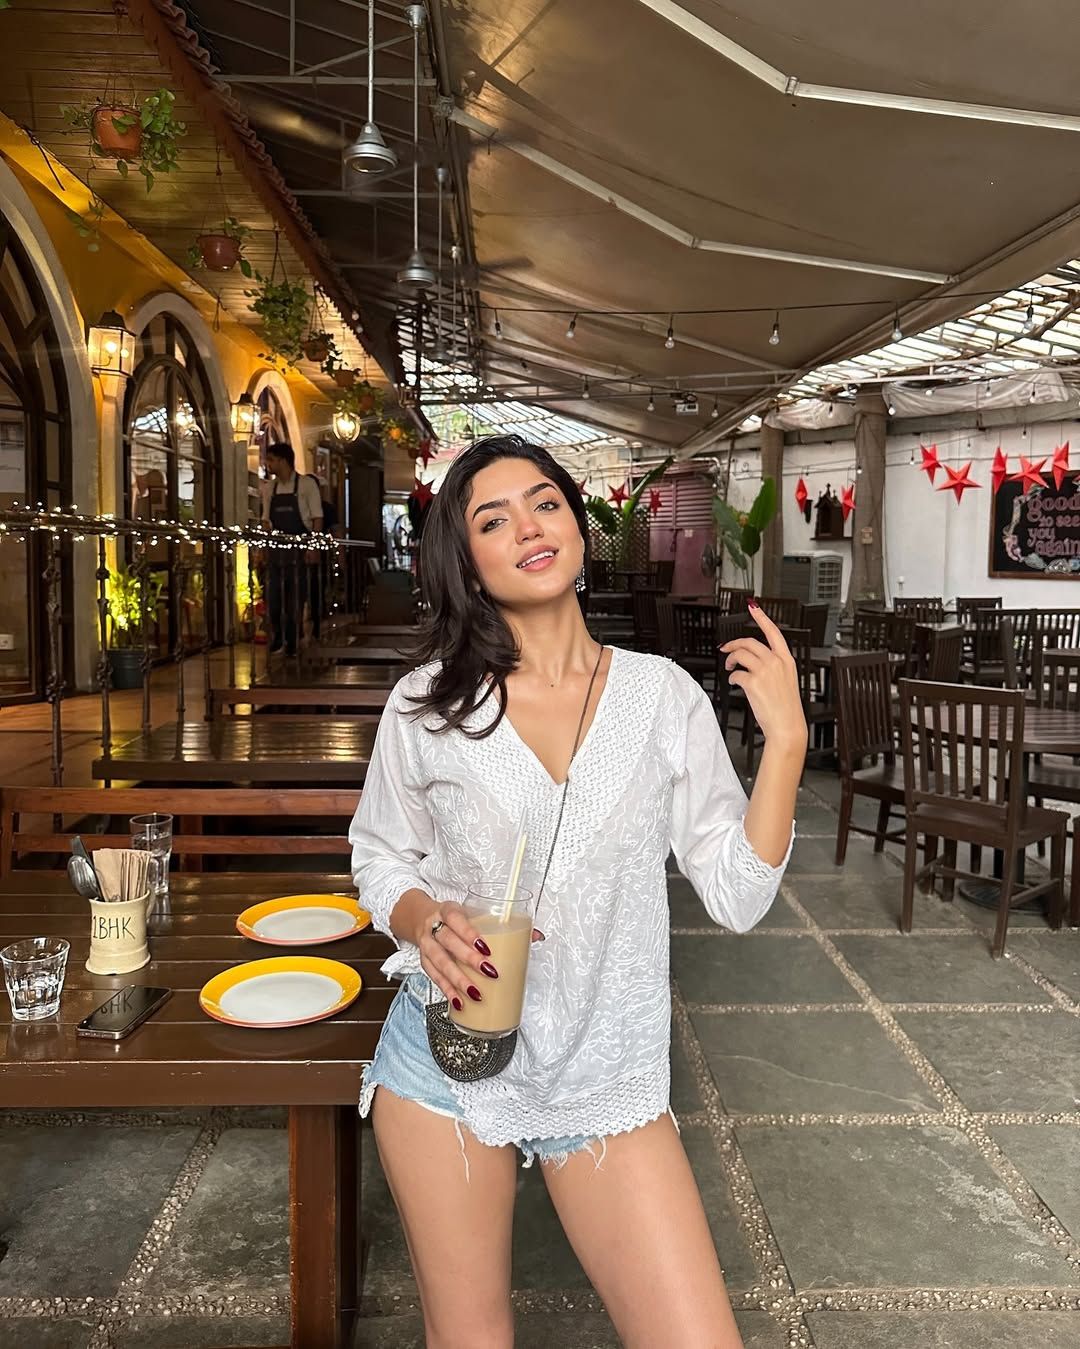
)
(224, 702)
(190, 808)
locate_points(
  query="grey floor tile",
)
(234, 1231)
(564, 1330)
(756, 969)
(1055, 954)
(735, 1256)
(685, 1096)
(687, 909)
(815, 1061)
(76, 1203)
(814, 819)
(883, 1207)
(928, 969)
(201, 1332)
(543, 1258)
(1020, 920)
(1002, 1060)
(760, 1331)
(39, 1333)
(843, 902)
(389, 1269)
(815, 857)
(1047, 1156)
(945, 1330)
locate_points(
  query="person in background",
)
(291, 505)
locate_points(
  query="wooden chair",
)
(818, 713)
(963, 783)
(815, 619)
(1055, 629)
(967, 606)
(872, 630)
(601, 574)
(695, 638)
(728, 697)
(923, 609)
(1054, 777)
(730, 600)
(783, 610)
(946, 655)
(985, 664)
(866, 729)
(100, 815)
(646, 622)
(665, 625)
(663, 575)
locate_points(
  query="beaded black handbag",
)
(470, 1058)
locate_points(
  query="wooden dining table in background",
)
(182, 1057)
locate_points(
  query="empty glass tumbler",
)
(34, 975)
(153, 834)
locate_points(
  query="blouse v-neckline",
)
(532, 755)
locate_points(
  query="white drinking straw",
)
(515, 873)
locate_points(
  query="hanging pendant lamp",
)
(416, 272)
(439, 351)
(369, 154)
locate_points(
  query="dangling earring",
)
(579, 584)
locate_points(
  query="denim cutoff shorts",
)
(403, 1065)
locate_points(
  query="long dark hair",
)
(464, 628)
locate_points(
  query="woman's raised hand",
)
(454, 956)
(767, 674)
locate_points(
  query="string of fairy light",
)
(17, 522)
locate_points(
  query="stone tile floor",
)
(883, 1127)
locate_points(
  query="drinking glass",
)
(34, 975)
(153, 834)
(507, 929)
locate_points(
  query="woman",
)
(470, 744)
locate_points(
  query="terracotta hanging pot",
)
(115, 143)
(317, 349)
(366, 403)
(344, 378)
(220, 252)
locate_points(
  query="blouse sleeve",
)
(391, 831)
(707, 834)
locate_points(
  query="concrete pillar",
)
(867, 541)
(772, 540)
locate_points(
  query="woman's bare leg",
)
(639, 1229)
(458, 1230)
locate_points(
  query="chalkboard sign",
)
(1036, 534)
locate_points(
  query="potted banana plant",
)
(618, 522)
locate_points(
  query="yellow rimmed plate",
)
(281, 991)
(303, 920)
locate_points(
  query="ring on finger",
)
(436, 928)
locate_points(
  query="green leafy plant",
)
(617, 521)
(123, 595)
(88, 225)
(285, 308)
(210, 250)
(739, 532)
(153, 151)
(399, 432)
(361, 399)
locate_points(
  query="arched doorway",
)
(35, 466)
(172, 470)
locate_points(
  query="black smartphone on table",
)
(127, 1008)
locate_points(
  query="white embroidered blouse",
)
(440, 812)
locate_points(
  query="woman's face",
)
(525, 541)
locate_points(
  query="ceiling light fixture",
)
(439, 351)
(715, 409)
(416, 273)
(585, 388)
(650, 406)
(369, 154)
(897, 331)
(669, 341)
(774, 336)
(571, 328)
(498, 325)
(1029, 317)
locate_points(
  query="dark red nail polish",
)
(482, 946)
(489, 969)
(751, 604)
(474, 993)
(457, 1004)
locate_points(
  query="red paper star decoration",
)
(847, 500)
(581, 487)
(1060, 467)
(618, 495)
(959, 481)
(1030, 474)
(422, 492)
(655, 501)
(930, 464)
(426, 450)
(802, 496)
(999, 469)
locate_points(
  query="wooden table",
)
(333, 677)
(183, 1057)
(332, 689)
(245, 749)
(363, 652)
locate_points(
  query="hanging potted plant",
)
(222, 250)
(123, 594)
(319, 345)
(344, 378)
(143, 133)
(284, 307)
(400, 433)
(363, 400)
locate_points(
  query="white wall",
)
(938, 546)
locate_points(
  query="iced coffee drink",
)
(507, 930)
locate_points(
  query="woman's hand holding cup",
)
(452, 954)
